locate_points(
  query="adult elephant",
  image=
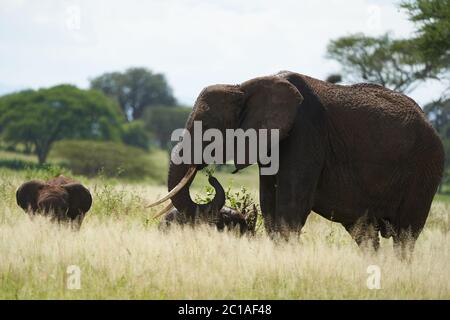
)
(361, 155)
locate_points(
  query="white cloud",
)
(195, 43)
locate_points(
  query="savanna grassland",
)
(122, 254)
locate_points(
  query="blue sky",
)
(195, 43)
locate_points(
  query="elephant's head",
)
(65, 202)
(261, 103)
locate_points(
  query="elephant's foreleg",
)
(293, 206)
(267, 199)
(295, 195)
(301, 164)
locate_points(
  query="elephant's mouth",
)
(180, 178)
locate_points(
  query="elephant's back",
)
(381, 151)
(389, 142)
(380, 123)
(369, 123)
(382, 143)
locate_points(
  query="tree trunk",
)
(42, 153)
(28, 148)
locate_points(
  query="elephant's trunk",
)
(182, 199)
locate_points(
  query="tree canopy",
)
(135, 90)
(381, 60)
(135, 134)
(47, 115)
(162, 121)
(400, 64)
(431, 43)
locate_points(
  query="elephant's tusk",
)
(164, 211)
(177, 188)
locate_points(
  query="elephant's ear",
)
(80, 199)
(270, 103)
(27, 194)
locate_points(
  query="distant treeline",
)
(136, 108)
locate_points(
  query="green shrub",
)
(33, 170)
(134, 134)
(19, 164)
(110, 159)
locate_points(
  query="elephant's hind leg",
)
(404, 242)
(411, 219)
(365, 233)
(412, 214)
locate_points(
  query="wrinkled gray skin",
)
(361, 155)
(228, 219)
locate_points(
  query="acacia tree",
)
(136, 89)
(400, 64)
(431, 44)
(381, 60)
(47, 115)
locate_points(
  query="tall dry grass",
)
(122, 254)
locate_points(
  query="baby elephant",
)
(64, 199)
(228, 218)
